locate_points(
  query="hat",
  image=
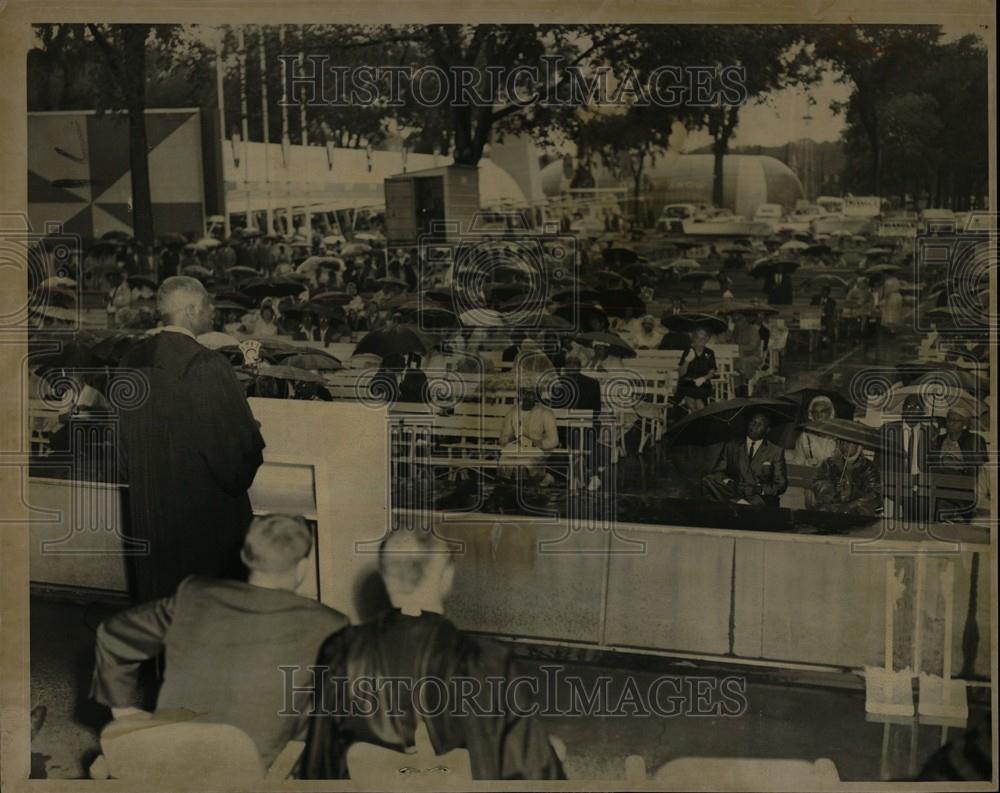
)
(276, 543)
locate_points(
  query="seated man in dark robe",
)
(752, 470)
(416, 641)
(224, 640)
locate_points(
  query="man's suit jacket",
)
(767, 468)
(224, 641)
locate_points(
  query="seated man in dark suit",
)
(414, 641)
(752, 470)
(224, 640)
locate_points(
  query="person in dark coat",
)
(779, 289)
(225, 641)
(189, 449)
(908, 445)
(752, 470)
(414, 641)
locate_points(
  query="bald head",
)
(183, 301)
(416, 568)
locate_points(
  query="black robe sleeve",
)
(230, 439)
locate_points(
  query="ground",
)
(786, 716)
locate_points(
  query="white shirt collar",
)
(179, 329)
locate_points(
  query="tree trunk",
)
(142, 202)
(718, 152)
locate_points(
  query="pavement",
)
(764, 714)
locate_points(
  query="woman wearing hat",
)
(812, 450)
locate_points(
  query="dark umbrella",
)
(881, 269)
(239, 272)
(766, 267)
(617, 303)
(820, 249)
(619, 256)
(116, 235)
(582, 294)
(698, 279)
(689, 322)
(313, 361)
(640, 269)
(399, 340)
(228, 305)
(236, 297)
(143, 280)
(723, 421)
(197, 271)
(173, 238)
(333, 298)
(52, 296)
(737, 307)
(607, 276)
(581, 315)
(846, 430)
(618, 345)
(271, 287)
(942, 372)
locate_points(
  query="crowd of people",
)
(401, 308)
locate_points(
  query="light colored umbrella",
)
(793, 245)
(207, 243)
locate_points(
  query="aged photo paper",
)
(563, 396)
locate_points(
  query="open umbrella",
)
(765, 267)
(698, 279)
(641, 270)
(313, 362)
(57, 282)
(116, 236)
(228, 305)
(333, 297)
(680, 266)
(689, 321)
(271, 287)
(938, 399)
(580, 315)
(400, 340)
(827, 279)
(618, 345)
(197, 271)
(207, 243)
(793, 246)
(878, 251)
(723, 421)
(333, 239)
(236, 297)
(741, 307)
(580, 294)
(881, 269)
(607, 277)
(355, 249)
(173, 238)
(846, 430)
(63, 298)
(240, 272)
(619, 256)
(282, 372)
(390, 281)
(143, 280)
(817, 250)
(618, 302)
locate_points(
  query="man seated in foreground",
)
(750, 471)
(224, 640)
(411, 642)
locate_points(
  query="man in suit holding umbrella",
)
(751, 470)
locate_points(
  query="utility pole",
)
(245, 123)
(267, 130)
(219, 94)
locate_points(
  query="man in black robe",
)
(411, 642)
(189, 450)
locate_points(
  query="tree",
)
(879, 60)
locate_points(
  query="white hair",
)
(177, 293)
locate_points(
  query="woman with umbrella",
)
(266, 325)
(696, 368)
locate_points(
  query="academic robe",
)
(189, 451)
(501, 745)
